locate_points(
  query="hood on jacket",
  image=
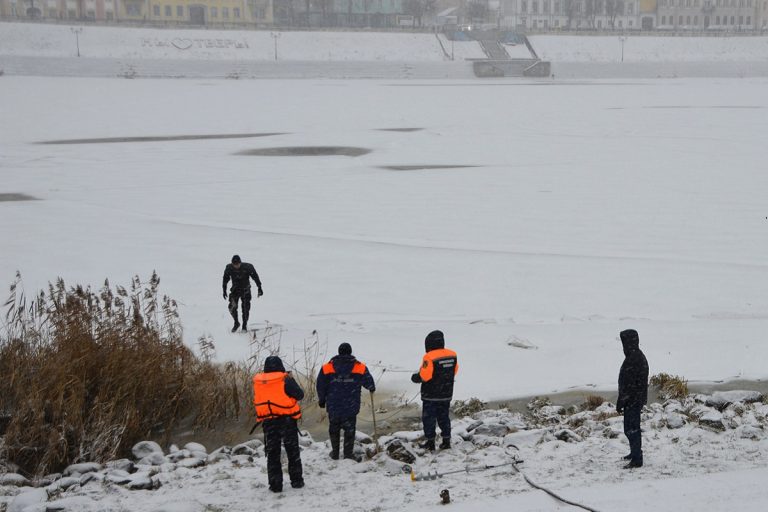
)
(273, 364)
(434, 340)
(630, 340)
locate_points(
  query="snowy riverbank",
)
(702, 449)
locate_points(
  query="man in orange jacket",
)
(275, 396)
(439, 367)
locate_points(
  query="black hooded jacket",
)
(438, 370)
(292, 388)
(240, 277)
(633, 376)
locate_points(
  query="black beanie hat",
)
(345, 349)
(235, 259)
(434, 341)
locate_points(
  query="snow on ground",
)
(592, 207)
(558, 48)
(41, 40)
(689, 465)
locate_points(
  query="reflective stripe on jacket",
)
(270, 399)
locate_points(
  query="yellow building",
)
(648, 9)
(198, 12)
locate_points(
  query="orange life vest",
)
(270, 399)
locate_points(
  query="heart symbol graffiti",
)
(182, 44)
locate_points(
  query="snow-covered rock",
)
(153, 459)
(118, 477)
(28, 498)
(750, 432)
(713, 420)
(144, 449)
(491, 430)
(64, 483)
(13, 479)
(82, 468)
(398, 450)
(193, 462)
(721, 399)
(141, 481)
(195, 447)
(674, 420)
(567, 435)
(178, 455)
(126, 465)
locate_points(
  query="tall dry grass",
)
(87, 373)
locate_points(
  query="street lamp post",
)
(77, 31)
(275, 36)
(622, 39)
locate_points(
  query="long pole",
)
(375, 430)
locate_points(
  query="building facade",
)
(730, 15)
(92, 10)
(570, 14)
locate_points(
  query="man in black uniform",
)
(633, 394)
(240, 273)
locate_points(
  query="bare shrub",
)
(462, 408)
(670, 386)
(86, 374)
(592, 402)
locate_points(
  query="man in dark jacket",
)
(241, 274)
(276, 395)
(438, 369)
(338, 389)
(633, 394)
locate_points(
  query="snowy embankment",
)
(704, 452)
(36, 49)
(653, 56)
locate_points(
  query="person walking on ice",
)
(439, 367)
(338, 390)
(241, 274)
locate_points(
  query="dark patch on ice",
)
(13, 196)
(404, 130)
(160, 138)
(424, 167)
(307, 151)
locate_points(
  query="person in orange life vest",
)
(338, 389)
(275, 396)
(439, 367)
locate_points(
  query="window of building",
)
(749, 20)
(236, 13)
(179, 11)
(741, 20)
(599, 23)
(214, 12)
(663, 20)
(696, 21)
(631, 9)
(630, 23)
(695, 3)
(524, 6)
(557, 23)
(717, 20)
(90, 14)
(168, 11)
(545, 6)
(621, 25)
(687, 20)
(557, 8)
(680, 20)
(110, 16)
(71, 14)
(133, 9)
(156, 10)
(733, 20)
(687, 3)
(225, 12)
(535, 7)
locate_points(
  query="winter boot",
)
(349, 448)
(634, 464)
(627, 456)
(335, 446)
(446, 444)
(428, 445)
(298, 484)
(245, 327)
(236, 327)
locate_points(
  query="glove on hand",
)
(322, 405)
(225, 294)
(261, 292)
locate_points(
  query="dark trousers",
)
(245, 297)
(349, 426)
(633, 432)
(436, 412)
(276, 432)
